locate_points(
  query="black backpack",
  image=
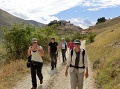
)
(28, 61)
(83, 54)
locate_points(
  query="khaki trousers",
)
(76, 79)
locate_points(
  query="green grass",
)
(105, 56)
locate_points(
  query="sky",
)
(83, 13)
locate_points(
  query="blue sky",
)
(83, 13)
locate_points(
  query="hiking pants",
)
(53, 57)
(76, 79)
(63, 54)
(36, 68)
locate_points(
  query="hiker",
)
(53, 52)
(71, 44)
(36, 52)
(78, 66)
(63, 46)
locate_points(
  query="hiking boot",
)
(33, 88)
(52, 68)
(41, 81)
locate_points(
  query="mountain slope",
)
(105, 54)
(7, 19)
(105, 25)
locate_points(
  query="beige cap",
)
(34, 40)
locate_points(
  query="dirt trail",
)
(58, 80)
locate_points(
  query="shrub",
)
(16, 40)
(90, 37)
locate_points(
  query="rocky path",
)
(57, 80)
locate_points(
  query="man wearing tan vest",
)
(77, 61)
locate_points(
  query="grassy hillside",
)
(104, 26)
(7, 19)
(105, 54)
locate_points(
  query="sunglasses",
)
(77, 43)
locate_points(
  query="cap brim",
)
(34, 41)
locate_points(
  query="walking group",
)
(76, 61)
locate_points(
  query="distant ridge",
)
(7, 19)
(104, 26)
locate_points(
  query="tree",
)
(17, 40)
(101, 20)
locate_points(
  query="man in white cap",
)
(78, 65)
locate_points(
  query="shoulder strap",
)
(83, 54)
(71, 54)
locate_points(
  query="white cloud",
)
(44, 10)
(84, 23)
(94, 5)
(37, 9)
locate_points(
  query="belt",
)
(77, 66)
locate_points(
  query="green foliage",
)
(44, 36)
(17, 39)
(72, 36)
(90, 37)
(101, 20)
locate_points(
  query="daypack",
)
(83, 54)
(28, 61)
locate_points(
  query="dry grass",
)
(11, 73)
(104, 26)
(105, 56)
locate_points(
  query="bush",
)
(16, 40)
(90, 37)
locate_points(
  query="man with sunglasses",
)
(78, 65)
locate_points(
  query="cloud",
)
(44, 10)
(37, 9)
(84, 23)
(94, 5)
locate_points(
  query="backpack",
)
(83, 54)
(28, 61)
